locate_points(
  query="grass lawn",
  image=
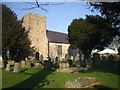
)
(40, 78)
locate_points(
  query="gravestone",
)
(1, 64)
(78, 63)
(11, 62)
(67, 65)
(64, 64)
(70, 63)
(7, 67)
(28, 64)
(83, 82)
(96, 58)
(89, 62)
(16, 65)
(103, 58)
(82, 56)
(71, 57)
(38, 65)
(48, 65)
(23, 63)
(77, 57)
(111, 59)
(60, 65)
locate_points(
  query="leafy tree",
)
(94, 32)
(109, 10)
(115, 43)
(14, 37)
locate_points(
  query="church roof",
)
(57, 37)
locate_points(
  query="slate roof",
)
(57, 37)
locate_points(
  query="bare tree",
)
(37, 4)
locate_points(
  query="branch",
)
(40, 5)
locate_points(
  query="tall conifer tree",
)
(14, 37)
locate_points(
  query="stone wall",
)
(36, 25)
(53, 47)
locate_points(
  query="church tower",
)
(35, 24)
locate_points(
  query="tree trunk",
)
(86, 54)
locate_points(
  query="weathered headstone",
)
(48, 65)
(1, 63)
(60, 64)
(37, 65)
(77, 57)
(28, 64)
(83, 82)
(89, 62)
(96, 58)
(7, 67)
(111, 59)
(103, 58)
(71, 57)
(64, 64)
(78, 64)
(82, 57)
(16, 66)
(67, 65)
(70, 63)
(11, 62)
(22, 63)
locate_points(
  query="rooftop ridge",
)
(57, 32)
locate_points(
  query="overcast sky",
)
(58, 17)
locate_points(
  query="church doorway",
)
(37, 55)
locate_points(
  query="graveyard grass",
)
(40, 78)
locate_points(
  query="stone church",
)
(45, 42)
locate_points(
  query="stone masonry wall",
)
(53, 50)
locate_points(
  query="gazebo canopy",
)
(107, 50)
